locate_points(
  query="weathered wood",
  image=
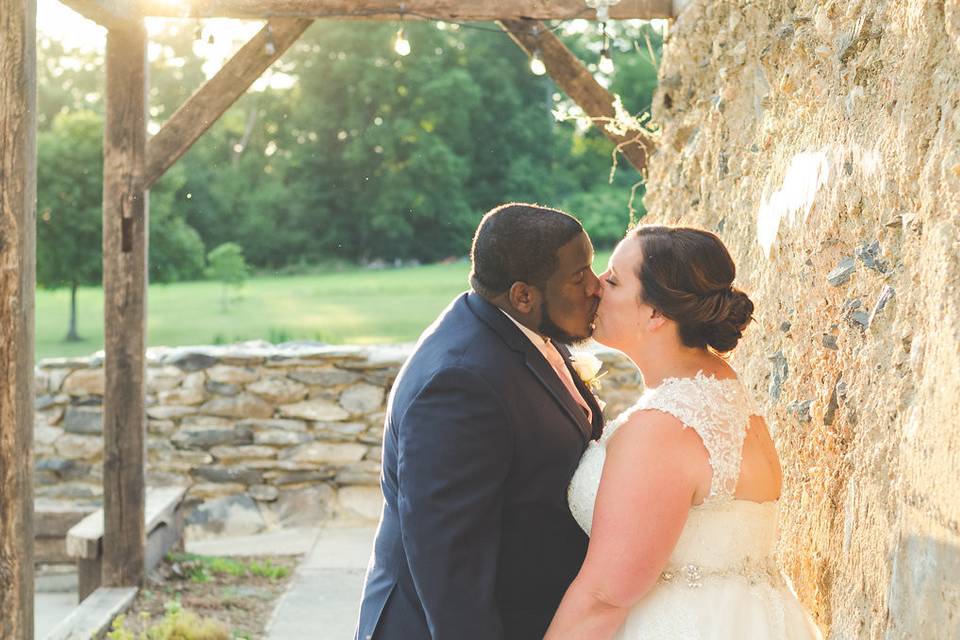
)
(460, 10)
(89, 577)
(109, 13)
(163, 522)
(125, 242)
(50, 551)
(55, 520)
(209, 102)
(84, 539)
(18, 195)
(92, 618)
(579, 84)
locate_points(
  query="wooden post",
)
(18, 221)
(125, 241)
(577, 82)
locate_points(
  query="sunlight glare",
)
(807, 173)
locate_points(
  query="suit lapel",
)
(535, 361)
(549, 379)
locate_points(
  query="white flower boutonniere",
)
(588, 368)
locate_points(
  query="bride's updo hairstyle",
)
(687, 275)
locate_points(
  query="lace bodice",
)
(722, 580)
(718, 410)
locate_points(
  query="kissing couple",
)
(511, 511)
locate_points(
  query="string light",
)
(270, 47)
(606, 62)
(400, 44)
(537, 67)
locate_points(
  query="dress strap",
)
(719, 411)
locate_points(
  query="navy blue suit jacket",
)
(476, 540)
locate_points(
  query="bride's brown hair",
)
(687, 275)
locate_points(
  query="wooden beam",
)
(108, 13)
(579, 84)
(18, 221)
(211, 100)
(452, 10)
(125, 242)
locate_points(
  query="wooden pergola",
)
(132, 163)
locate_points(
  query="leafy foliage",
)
(366, 156)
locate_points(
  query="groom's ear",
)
(523, 297)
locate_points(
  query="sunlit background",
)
(349, 177)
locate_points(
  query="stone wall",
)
(263, 436)
(821, 140)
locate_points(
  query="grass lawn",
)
(356, 306)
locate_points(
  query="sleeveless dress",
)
(722, 581)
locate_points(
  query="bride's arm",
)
(652, 471)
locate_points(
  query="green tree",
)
(227, 264)
(70, 218)
(70, 214)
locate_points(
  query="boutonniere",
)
(588, 368)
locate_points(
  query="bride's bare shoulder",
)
(657, 431)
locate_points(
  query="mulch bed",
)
(240, 591)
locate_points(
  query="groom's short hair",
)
(518, 242)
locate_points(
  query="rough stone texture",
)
(821, 140)
(184, 396)
(244, 405)
(302, 507)
(314, 410)
(225, 516)
(321, 452)
(232, 375)
(84, 420)
(198, 437)
(85, 382)
(260, 435)
(365, 502)
(79, 447)
(362, 398)
(278, 390)
(232, 454)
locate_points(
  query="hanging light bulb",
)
(537, 67)
(606, 62)
(270, 47)
(400, 44)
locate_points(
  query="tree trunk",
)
(72, 335)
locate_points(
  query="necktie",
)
(556, 361)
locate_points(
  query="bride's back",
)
(760, 474)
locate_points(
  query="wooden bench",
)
(52, 520)
(164, 518)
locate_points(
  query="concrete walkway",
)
(323, 599)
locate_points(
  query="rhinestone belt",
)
(755, 571)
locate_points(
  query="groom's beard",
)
(549, 329)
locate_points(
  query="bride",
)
(680, 494)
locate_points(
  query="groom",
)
(485, 426)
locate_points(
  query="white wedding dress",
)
(722, 581)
